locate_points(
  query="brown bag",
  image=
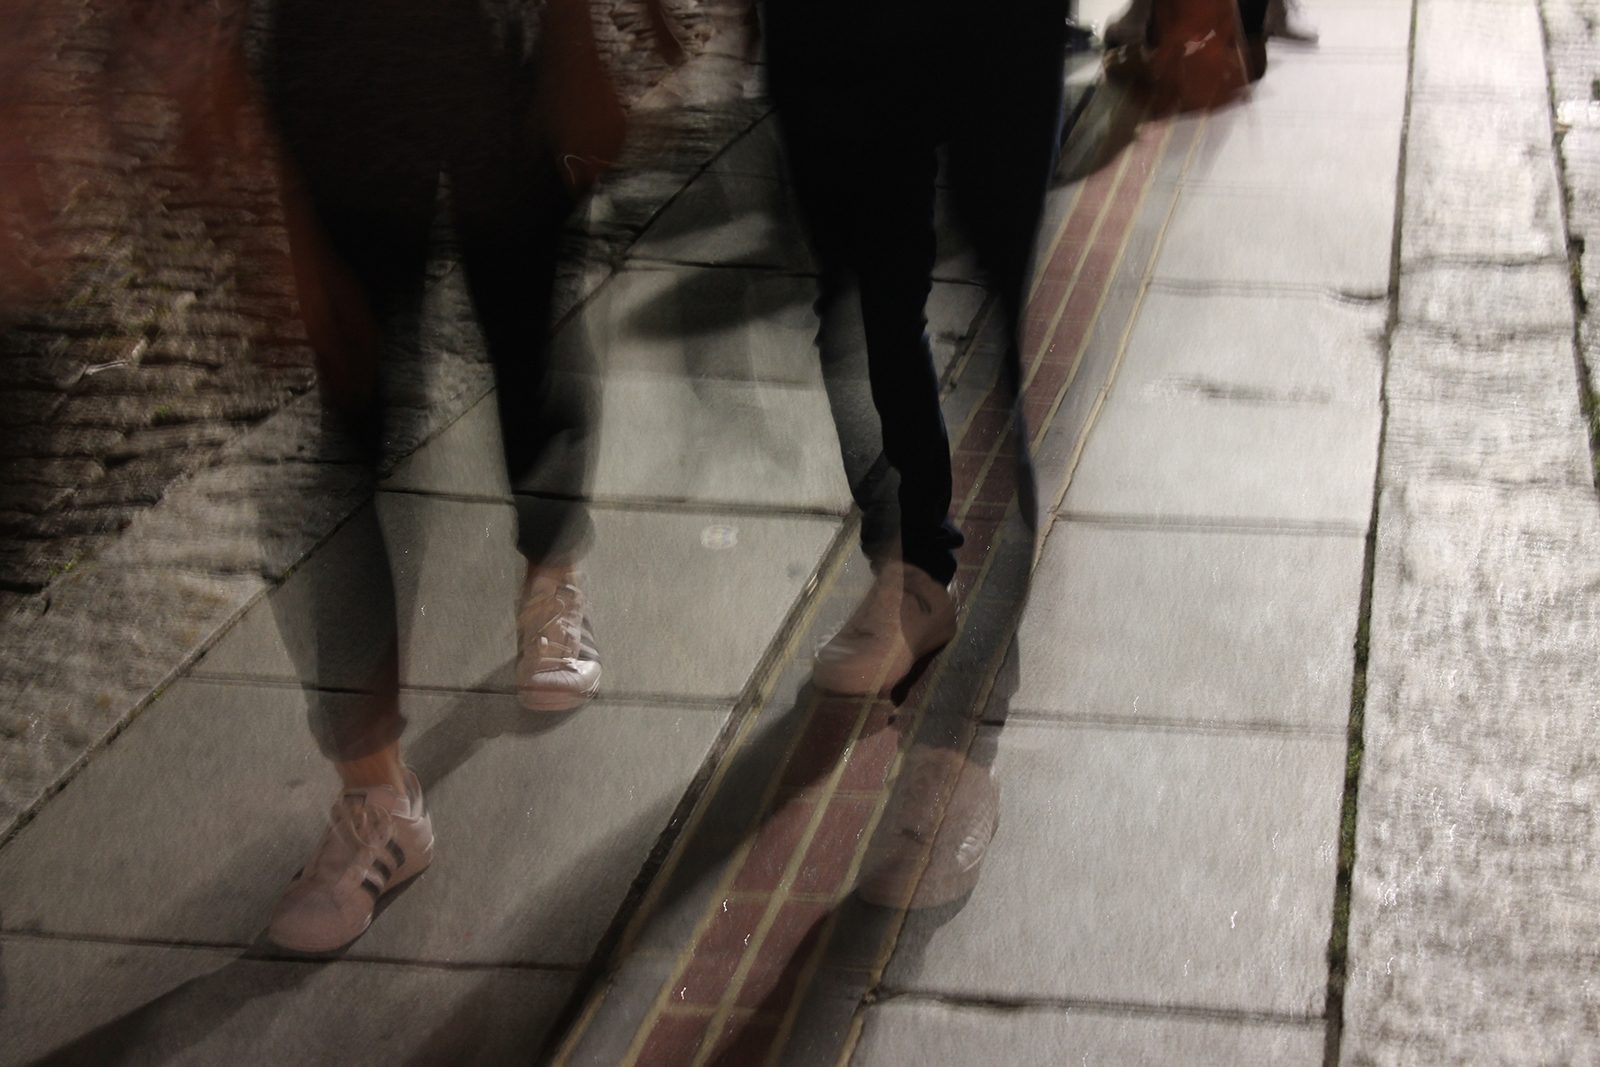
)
(1196, 60)
(581, 113)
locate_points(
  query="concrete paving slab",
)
(1477, 440)
(946, 1035)
(1340, 240)
(531, 863)
(739, 325)
(693, 322)
(1485, 301)
(1504, 413)
(1312, 155)
(732, 219)
(720, 585)
(1191, 626)
(1487, 45)
(1307, 83)
(108, 1003)
(1428, 368)
(1220, 460)
(743, 325)
(1458, 149)
(1278, 348)
(746, 444)
(57, 697)
(665, 438)
(724, 220)
(1167, 868)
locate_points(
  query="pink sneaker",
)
(558, 666)
(905, 617)
(378, 840)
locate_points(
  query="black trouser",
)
(375, 101)
(1252, 17)
(866, 95)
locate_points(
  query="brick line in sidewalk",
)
(771, 916)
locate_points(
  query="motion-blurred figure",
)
(866, 96)
(1148, 26)
(376, 100)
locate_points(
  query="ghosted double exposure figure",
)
(866, 97)
(378, 103)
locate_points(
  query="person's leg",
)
(864, 182)
(896, 263)
(510, 206)
(868, 211)
(376, 262)
(359, 193)
(1002, 153)
(366, 270)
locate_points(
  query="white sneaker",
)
(558, 666)
(905, 617)
(378, 840)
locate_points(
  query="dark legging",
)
(866, 95)
(375, 100)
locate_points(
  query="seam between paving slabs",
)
(1339, 933)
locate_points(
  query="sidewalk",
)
(1273, 427)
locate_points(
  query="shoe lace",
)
(559, 635)
(358, 830)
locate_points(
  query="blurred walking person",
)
(376, 103)
(866, 95)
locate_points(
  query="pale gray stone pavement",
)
(1339, 462)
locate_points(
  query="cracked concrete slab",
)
(1225, 461)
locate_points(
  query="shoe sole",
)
(555, 702)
